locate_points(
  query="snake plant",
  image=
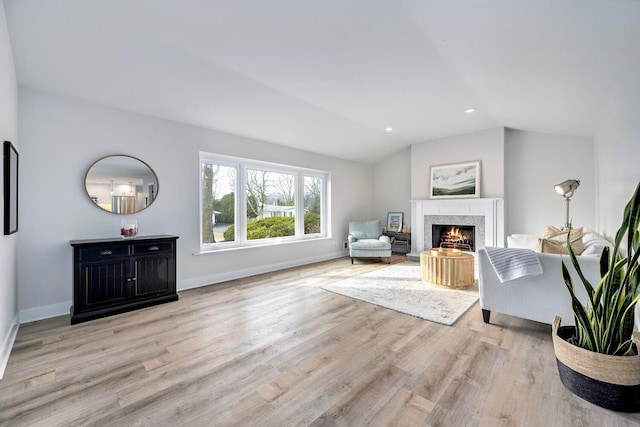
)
(605, 323)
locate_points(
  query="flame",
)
(455, 233)
(455, 236)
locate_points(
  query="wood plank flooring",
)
(277, 350)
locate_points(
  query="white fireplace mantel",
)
(491, 209)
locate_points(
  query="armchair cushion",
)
(365, 229)
(370, 244)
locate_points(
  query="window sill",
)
(255, 245)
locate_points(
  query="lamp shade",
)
(566, 188)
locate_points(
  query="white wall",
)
(61, 138)
(618, 146)
(392, 186)
(486, 146)
(522, 167)
(8, 260)
(534, 163)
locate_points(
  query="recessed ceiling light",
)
(389, 129)
(470, 110)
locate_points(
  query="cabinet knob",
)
(106, 252)
(154, 248)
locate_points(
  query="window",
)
(247, 202)
(218, 202)
(313, 191)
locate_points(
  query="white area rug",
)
(400, 288)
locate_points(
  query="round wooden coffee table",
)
(447, 267)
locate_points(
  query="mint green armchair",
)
(367, 241)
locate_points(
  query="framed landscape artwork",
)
(394, 221)
(455, 181)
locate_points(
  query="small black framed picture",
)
(10, 159)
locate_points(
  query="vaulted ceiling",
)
(330, 76)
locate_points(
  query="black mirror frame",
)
(156, 188)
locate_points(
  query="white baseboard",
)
(61, 309)
(198, 282)
(5, 350)
(45, 312)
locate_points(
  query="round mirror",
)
(121, 184)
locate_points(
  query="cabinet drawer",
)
(102, 252)
(151, 248)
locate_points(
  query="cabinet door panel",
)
(152, 275)
(105, 283)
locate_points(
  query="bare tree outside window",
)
(270, 204)
(312, 204)
(257, 188)
(285, 186)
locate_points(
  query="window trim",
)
(241, 165)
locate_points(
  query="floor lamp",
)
(566, 189)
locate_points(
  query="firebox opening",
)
(453, 236)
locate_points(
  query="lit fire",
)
(452, 236)
(455, 235)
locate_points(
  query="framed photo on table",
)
(394, 221)
(455, 181)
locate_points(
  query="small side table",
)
(447, 267)
(400, 242)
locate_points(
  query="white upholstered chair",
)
(538, 298)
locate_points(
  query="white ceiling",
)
(329, 76)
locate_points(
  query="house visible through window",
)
(247, 202)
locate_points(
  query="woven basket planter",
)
(612, 382)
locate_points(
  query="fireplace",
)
(453, 236)
(485, 214)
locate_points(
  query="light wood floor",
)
(277, 350)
